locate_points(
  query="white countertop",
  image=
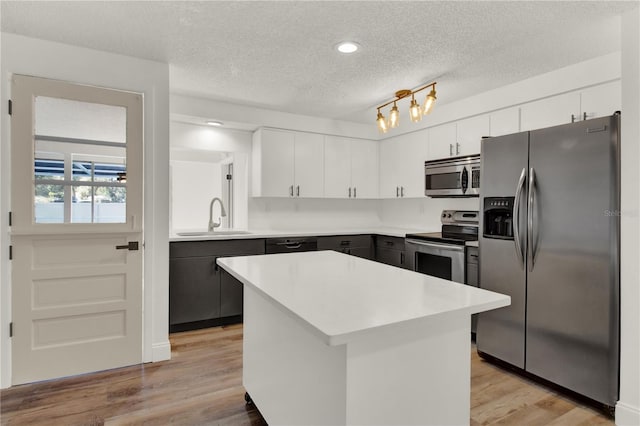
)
(271, 233)
(340, 296)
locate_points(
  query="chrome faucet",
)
(212, 224)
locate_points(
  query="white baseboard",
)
(627, 415)
(161, 351)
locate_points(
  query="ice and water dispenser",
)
(498, 218)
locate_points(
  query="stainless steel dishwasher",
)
(291, 245)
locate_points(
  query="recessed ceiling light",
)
(347, 47)
(214, 123)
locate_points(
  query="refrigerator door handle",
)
(530, 240)
(516, 216)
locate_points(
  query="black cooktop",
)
(451, 234)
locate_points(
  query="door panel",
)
(501, 332)
(76, 196)
(572, 309)
(76, 316)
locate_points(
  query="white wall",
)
(628, 408)
(421, 213)
(207, 143)
(228, 112)
(193, 185)
(41, 58)
(300, 214)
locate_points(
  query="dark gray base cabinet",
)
(471, 277)
(201, 294)
(391, 250)
(356, 245)
(194, 289)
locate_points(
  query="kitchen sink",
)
(203, 233)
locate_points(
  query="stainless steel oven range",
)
(441, 254)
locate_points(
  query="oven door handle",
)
(450, 247)
(516, 216)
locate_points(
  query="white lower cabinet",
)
(350, 168)
(402, 165)
(287, 164)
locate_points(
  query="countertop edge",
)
(259, 234)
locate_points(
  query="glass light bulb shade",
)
(394, 117)
(415, 113)
(429, 101)
(382, 123)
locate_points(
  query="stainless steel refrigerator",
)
(549, 238)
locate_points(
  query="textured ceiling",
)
(280, 55)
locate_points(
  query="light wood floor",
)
(201, 385)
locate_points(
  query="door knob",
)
(133, 245)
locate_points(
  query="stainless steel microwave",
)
(452, 177)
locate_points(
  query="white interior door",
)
(76, 229)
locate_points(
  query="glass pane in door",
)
(80, 149)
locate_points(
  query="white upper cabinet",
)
(287, 164)
(308, 165)
(272, 162)
(549, 112)
(469, 133)
(337, 167)
(350, 168)
(504, 122)
(442, 141)
(602, 100)
(460, 138)
(389, 167)
(364, 168)
(402, 165)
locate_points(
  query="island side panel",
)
(417, 375)
(291, 375)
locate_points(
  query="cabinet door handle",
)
(402, 258)
(349, 192)
(457, 148)
(354, 193)
(298, 191)
(345, 242)
(584, 116)
(573, 118)
(397, 192)
(291, 190)
(402, 191)
(450, 149)
(389, 243)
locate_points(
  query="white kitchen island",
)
(332, 339)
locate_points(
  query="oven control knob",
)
(449, 215)
(444, 215)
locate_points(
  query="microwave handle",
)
(464, 180)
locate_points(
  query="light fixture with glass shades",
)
(415, 110)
